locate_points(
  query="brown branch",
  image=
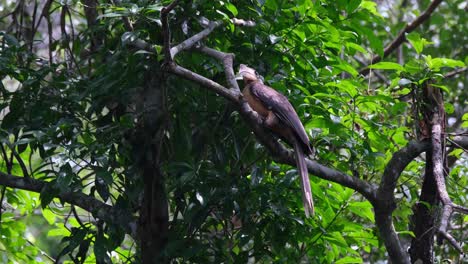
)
(44, 13)
(382, 198)
(278, 151)
(190, 42)
(385, 200)
(203, 81)
(437, 159)
(455, 72)
(97, 208)
(397, 164)
(210, 26)
(402, 35)
(166, 31)
(228, 60)
(459, 142)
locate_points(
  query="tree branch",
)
(455, 72)
(402, 35)
(385, 202)
(97, 208)
(278, 151)
(190, 42)
(398, 163)
(228, 60)
(166, 31)
(205, 82)
(447, 205)
(382, 197)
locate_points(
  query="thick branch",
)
(448, 205)
(402, 35)
(387, 231)
(398, 163)
(385, 202)
(252, 118)
(437, 158)
(205, 82)
(97, 208)
(384, 208)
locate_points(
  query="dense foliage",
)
(89, 116)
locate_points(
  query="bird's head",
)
(248, 74)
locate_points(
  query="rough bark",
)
(149, 137)
(423, 220)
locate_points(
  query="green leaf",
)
(363, 209)
(128, 37)
(100, 250)
(356, 47)
(49, 216)
(110, 15)
(48, 193)
(232, 8)
(449, 108)
(384, 65)
(349, 259)
(374, 41)
(65, 177)
(436, 63)
(352, 5)
(410, 233)
(371, 7)
(60, 231)
(416, 41)
(347, 67)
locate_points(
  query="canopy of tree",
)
(124, 136)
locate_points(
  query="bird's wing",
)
(279, 104)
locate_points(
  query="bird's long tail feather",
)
(305, 183)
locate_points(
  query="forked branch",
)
(448, 207)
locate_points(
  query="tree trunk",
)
(422, 246)
(425, 212)
(149, 137)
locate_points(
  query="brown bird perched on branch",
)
(279, 116)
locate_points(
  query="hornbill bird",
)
(279, 116)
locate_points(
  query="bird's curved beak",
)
(242, 70)
(246, 73)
